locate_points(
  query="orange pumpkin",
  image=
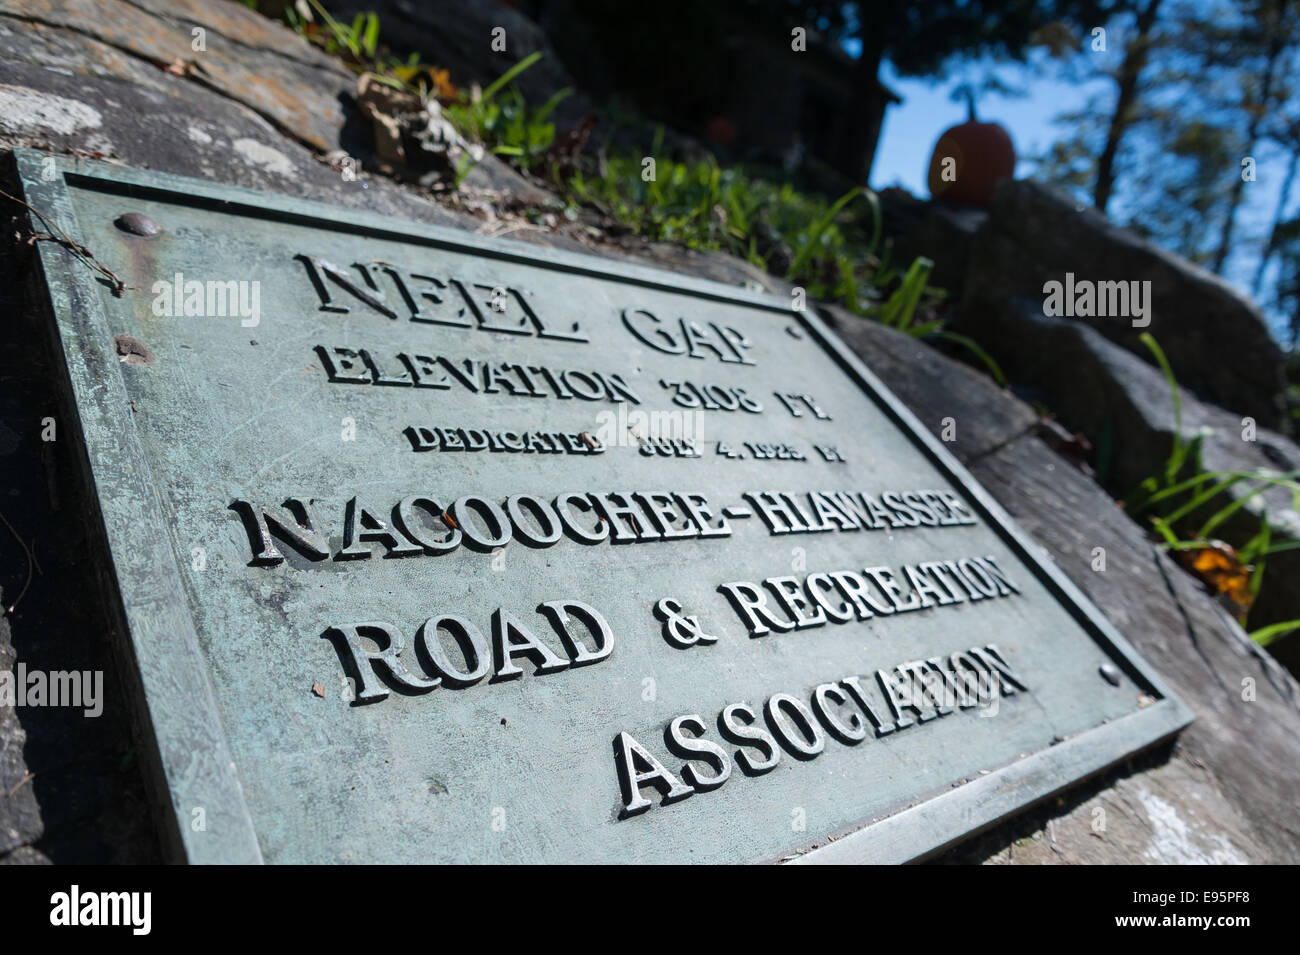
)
(981, 154)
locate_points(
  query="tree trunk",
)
(856, 145)
(1295, 326)
(1274, 235)
(1276, 45)
(1135, 60)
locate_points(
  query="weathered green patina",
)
(635, 537)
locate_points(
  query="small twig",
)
(31, 562)
(27, 778)
(505, 229)
(116, 285)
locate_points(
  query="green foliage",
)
(360, 41)
(357, 45)
(900, 308)
(693, 202)
(701, 205)
(826, 247)
(816, 236)
(1185, 503)
(501, 118)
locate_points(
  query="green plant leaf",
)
(1255, 552)
(1224, 513)
(549, 106)
(974, 348)
(1201, 498)
(816, 230)
(1167, 532)
(509, 75)
(1175, 462)
(925, 329)
(897, 312)
(1266, 635)
(1285, 545)
(370, 39)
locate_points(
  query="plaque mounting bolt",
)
(1110, 672)
(137, 223)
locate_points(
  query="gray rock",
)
(944, 234)
(25, 855)
(1215, 338)
(20, 816)
(984, 416)
(244, 56)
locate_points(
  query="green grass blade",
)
(1280, 480)
(817, 229)
(1167, 532)
(1175, 462)
(1226, 512)
(901, 307)
(1257, 547)
(549, 106)
(510, 74)
(370, 39)
(330, 22)
(1266, 635)
(925, 328)
(974, 348)
(1198, 499)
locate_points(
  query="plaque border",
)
(184, 735)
